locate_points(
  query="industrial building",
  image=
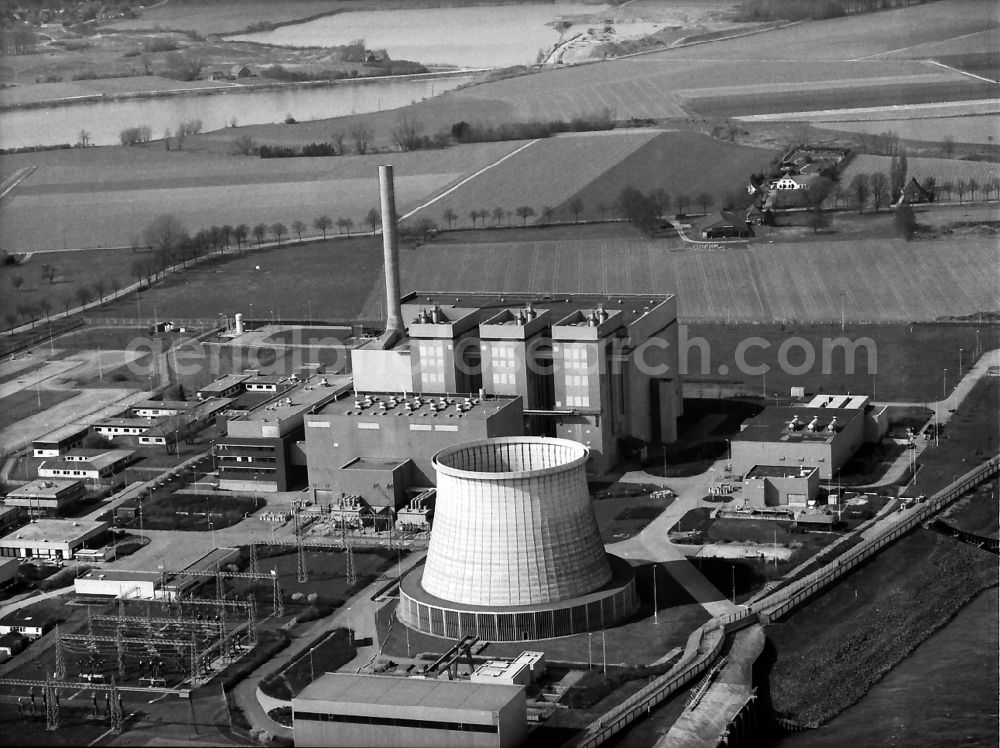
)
(338, 709)
(47, 497)
(261, 450)
(54, 539)
(379, 446)
(825, 433)
(59, 441)
(88, 464)
(118, 583)
(780, 485)
(515, 553)
(229, 385)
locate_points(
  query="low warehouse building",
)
(118, 583)
(55, 539)
(46, 498)
(774, 485)
(351, 710)
(59, 441)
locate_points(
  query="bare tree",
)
(45, 305)
(279, 230)
(973, 189)
(602, 208)
(165, 232)
(116, 285)
(576, 207)
(524, 213)
(99, 289)
(83, 295)
(240, 234)
(498, 215)
(373, 219)
(323, 223)
(337, 138)
(961, 187)
(473, 215)
(704, 200)
(361, 135)
(225, 231)
(661, 200)
(879, 183)
(947, 187)
(407, 134)
(450, 217)
(547, 212)
(259, 231)
(345, 224)
(860, 189)
(298, 227)
(83, 139)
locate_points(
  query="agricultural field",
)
(943, 170)
(881, 280)
(976, 128)
(220, 18)
(68, 89)
(63, 203)
(679, 163)
(547, 172)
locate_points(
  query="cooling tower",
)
(515, 552)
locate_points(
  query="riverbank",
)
(831, 652)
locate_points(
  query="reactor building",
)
(515, 553)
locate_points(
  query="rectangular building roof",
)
(97, 462)
(133, 422)
(428, 409)
(780, 471)
(52, 531)
(164, 404)
(121, 575)
(772, 424)
(63, 433)
(44, 487)
(382, 690)
(224, 383)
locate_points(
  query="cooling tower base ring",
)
(611, 604)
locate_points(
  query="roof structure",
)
(773, 424)
(341, 688)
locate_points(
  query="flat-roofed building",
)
(53, 538)
(158, 408)
(59, 441)
(8, 572)
(377, 445)
(118, 583)
(46, 497)
(780, 485)
(29, 624)
(825, 433)
(260, 449)
(89, 464)
(229, 385)
(353, 710)
(111, 428)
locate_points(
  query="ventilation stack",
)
(515, 552)
(394, 329)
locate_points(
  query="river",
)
(480, 36)
(944, 695)
(104, 120)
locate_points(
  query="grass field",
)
(324, 280)
(26, 403)
(74, 270)
(219, 18)
(977, 512)
(831, 651)
(942, 169)
(547, 172)
(881, 280)
(62, 204)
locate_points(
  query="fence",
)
(694, 664)
(39, 335)
(787, 598)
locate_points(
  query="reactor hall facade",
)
(515, 553)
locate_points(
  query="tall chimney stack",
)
(390, 257)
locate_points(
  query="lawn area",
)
(331, 651)
(340, 274)
(968, 439)
(624, 517)
(977, 512)
(831, 651)
(908, 359)
(169, 510)
(327, 576)
(27, 403)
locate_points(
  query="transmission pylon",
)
(51, 696)
(121, 652)
(303, 571)
(351, 572)
(60, 656)
(251, 620)
(279, 600)
(253, 555)
(194, 660)
(117, 717)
